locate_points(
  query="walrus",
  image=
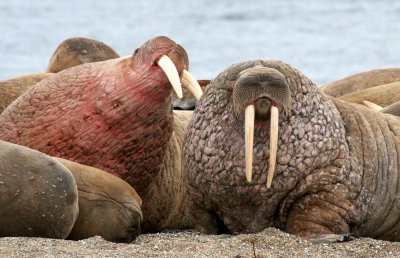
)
(71, 52)
(12, 88)
(393, 109)
(265, 148)
(108, 206)
(383, 95)
(361, 81)
(115, 115)
(38, 195)
(76, 51)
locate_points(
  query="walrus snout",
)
(133, 233)
(257, 84)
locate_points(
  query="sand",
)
(268, 243)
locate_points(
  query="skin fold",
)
(115, 115)
(337, 163)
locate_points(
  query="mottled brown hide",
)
(76, 51)
(38, 195)
(108, 206)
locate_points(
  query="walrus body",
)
(337, 169)
(114, 115)
(361, 81)
(108, 206)
(13, 88)
(383, 95)
(38, 195)
(71, 52)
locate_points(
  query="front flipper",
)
(321, 218)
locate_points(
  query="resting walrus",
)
(71, 52)
(108, 206)
(38, 195)
(117, 116)
(316, 166)
(76, 51)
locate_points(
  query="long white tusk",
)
(372, 106)
(191, 84)
(249, 134)
(166, 64)
(273, 148)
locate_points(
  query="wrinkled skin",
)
(361, 81)
(337, 163)
(114, 115)
(75, 51)
(38, 195)
(108, 206)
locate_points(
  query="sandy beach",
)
(268, 243)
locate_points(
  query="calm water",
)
(326, 40)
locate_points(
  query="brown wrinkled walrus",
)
(383, 95)
(75, 51)
(108, 206)
(38, 195)
(361, 81)
(393, 109)
(13, 88)
(265, 148)
(69, 53)
(115, 115)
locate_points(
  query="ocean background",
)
(326, 40)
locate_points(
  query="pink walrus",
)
(114, 115)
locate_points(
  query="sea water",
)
(326, 40)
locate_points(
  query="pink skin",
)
(115, 115)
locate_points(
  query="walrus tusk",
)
(249, 134)
(191, 84)
(166, 64)
(372, 106)
(273, 144)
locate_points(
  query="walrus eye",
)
(136, 50)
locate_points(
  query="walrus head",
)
(261, 93)
(163, 53)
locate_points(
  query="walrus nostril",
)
(263, 107)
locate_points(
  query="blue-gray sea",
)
(326, 40)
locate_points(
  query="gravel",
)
(268, 243)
